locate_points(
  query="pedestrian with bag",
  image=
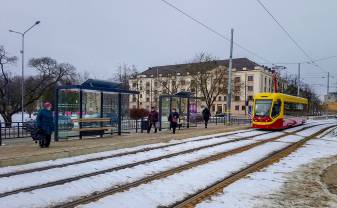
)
(45, 124)
(173, 119)
(152, 120)
(206, 114)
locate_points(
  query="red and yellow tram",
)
(278, 111)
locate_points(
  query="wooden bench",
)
(91, 131)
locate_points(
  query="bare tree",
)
(49, 73)
(209, 77)
(124, 73)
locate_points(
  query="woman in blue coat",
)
(45, 123)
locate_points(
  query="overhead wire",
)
(214, 31)
(311, 60)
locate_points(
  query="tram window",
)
(262, 107)
(276, 109)
(294, 109)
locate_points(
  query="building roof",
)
(238, 64)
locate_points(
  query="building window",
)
(173, 83)
(147, 92)
(147, 99)
(237, 107)
(156, 92)
(265, 81)
(141, 95)
(134, 84)
(141, 88)
(237, 88)
(237, 98)
(213, 107)
(219, 110)
(134, 99)
(250, 97)
(155, 99)
(251, 78)
(156, 84)
(237, 79)
(147, 84)
(243, 107)
(140, 103)
(219, 98)
(182, 82)
(250, 88)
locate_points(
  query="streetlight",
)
(23, 64)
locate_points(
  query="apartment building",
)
(248, 78)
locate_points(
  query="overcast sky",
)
(98, 36)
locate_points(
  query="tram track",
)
(115, 155)
(98, 195)
(217, 187)
(130, 165)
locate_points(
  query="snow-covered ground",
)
(257, 189)
(101, 182)
(42, 164)
(168, 190)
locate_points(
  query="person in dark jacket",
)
(152, 119)
(173, 119)
(45, 123)
(206, 114)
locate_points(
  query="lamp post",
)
(23, 64)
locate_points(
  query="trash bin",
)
(144, 124)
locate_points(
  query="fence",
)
(14, 130)
(22, 129)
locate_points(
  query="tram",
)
(278, 111)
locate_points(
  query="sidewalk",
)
(29, 153)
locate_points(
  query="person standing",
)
(173, 119)
(45, 123)
(152, 119)
(206, 114)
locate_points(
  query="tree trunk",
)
(7, 119)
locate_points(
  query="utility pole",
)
(327, 87)
(229, 93)
(327, 95)
(298, 79)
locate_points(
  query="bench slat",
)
(92, 129)
(92, 120)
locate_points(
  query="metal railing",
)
(14, 130)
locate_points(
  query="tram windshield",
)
(262, 107)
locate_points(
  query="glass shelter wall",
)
(68, 113)
(185, 106)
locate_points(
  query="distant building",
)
(330, 102)
(248, 78)
(331, 97)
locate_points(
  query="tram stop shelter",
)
(93, 108)
(185, 104)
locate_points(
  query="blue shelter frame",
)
(99, 87)
(179, 98)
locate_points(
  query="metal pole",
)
(229, 93)
(327, 88)
(23, 75)
(327, 95)
(298, 79)
(22, 54)
(246, 95)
